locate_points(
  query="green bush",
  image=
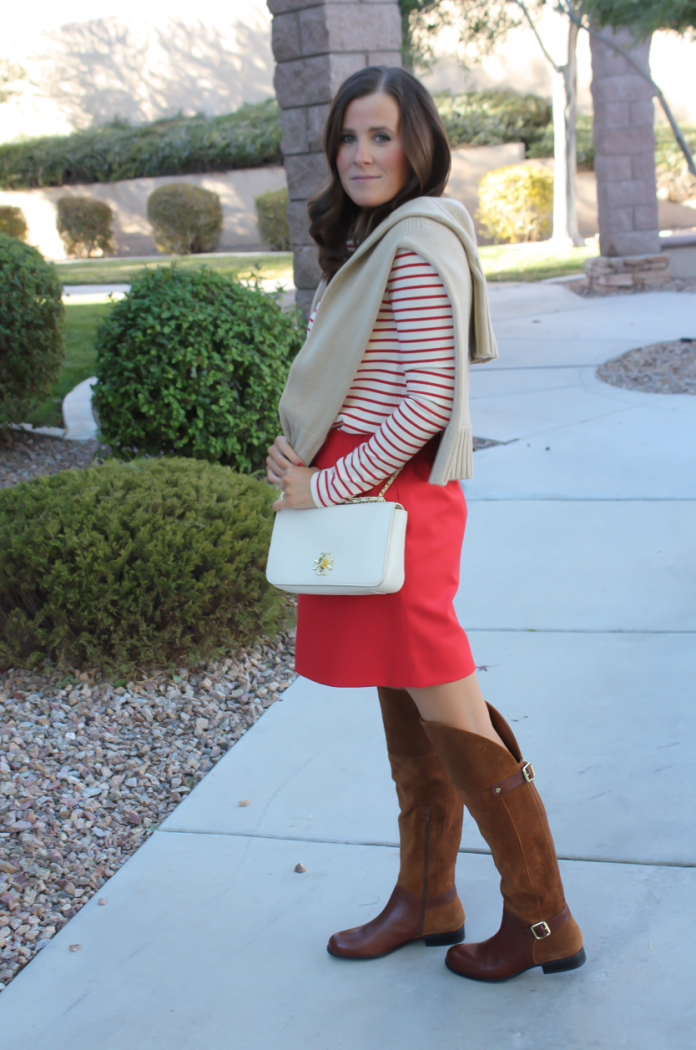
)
(489, 118)
(516, 203)
(543, 147)
(272, 216)
(31, 329)
(193, 363)
(12, 222)
(122, 564)
(85, 225)
(185, 219)
(247, 138)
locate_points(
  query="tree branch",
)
(567, 9)
(523, 8)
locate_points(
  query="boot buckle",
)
(528, 772)
(543, 928)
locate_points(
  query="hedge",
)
(85, 225)
(516, 203)
(185, 219)
(32, 322)
(247, 138)
(127, 564)
(193, 363)
(491, 117)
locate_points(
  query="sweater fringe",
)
(456, 462)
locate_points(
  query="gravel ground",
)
(676, 284)
(24, 455)
(89, 768)
(662, 368)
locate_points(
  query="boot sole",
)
(431, 940)
(572, 962)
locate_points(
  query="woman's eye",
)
(381, 137)
(347, 137)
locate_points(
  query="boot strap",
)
(540, 930)
(525, 776)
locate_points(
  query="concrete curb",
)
(80, 424)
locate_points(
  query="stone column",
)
(316, 46)
(624, 143)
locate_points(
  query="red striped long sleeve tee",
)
(403, 390)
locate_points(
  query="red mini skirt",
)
(413, 637)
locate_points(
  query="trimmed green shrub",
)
(192, 363)
(516, 203)
(12, 222)
(85, 225)
(491, 117)
(185, 219)
(32, 319)
(122, 564)
(247, 138)
(272, 216)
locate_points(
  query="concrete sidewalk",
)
(577, 591)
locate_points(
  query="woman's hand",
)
(285, 469)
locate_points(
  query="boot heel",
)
(561, 965)
(439, 940)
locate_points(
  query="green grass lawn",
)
(501, 262)
(533, 262)
(122, 271)
(81, 323)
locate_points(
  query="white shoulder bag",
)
(354, 548)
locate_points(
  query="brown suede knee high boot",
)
(424, 903)
(497, 787)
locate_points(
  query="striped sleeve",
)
(423, 322)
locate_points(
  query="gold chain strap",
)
(380, 498)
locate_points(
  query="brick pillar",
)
(316, 46)
(624, 143)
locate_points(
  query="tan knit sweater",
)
(440, 229)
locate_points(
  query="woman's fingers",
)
(297, 491)
(283, 453)
(288, 451)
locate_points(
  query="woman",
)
(381, 386)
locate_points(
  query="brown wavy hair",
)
(334, 217)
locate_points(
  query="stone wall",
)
(624, 143)
(316, 46)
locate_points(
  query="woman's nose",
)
(363, 154)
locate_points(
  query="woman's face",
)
(371, 161)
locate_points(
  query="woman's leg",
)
(457, 704)
(424, 904)
(485, 764)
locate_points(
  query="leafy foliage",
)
(516, 203)
(247, 138)
(644, 16)
(84, 225)
(193, 364)
(272, 216)
(12, 222)
(31, 328)
(487, 118)
(121, 564)
(185, 219)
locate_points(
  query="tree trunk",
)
(564, 78)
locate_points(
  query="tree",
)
(9, 73)
(484, 23)
(643, 18)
